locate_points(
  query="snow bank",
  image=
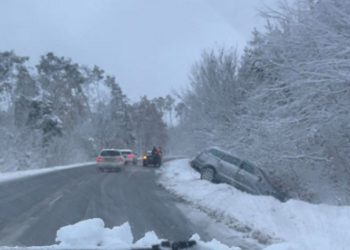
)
(92, 234)
(8, 176)
(290, 226)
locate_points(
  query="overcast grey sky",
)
(148, 45)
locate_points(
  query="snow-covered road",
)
(32, 209)
(93, 234)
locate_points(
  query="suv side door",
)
(247, 177)
(230, 167)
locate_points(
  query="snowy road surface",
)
(34, 208)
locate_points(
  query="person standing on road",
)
(154, 151)
(160, 153)
(156, 155)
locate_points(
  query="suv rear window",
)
(216, 153)
(248, 167)
(226, 157)
(110, 153)
(231, 159)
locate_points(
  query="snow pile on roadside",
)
(8, 176)
(298, 224)
(92, 234)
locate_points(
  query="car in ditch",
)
(217, 165)
(110, 160)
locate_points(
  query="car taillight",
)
(99, 159)
(131, 156)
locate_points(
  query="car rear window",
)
(126, 153)
(231, 159)
(216, 153)
(226, 157)
(250, 168)
(110, 153)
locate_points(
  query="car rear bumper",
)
(195, 165)
(150, 161)
(110, 164)
(131, 161)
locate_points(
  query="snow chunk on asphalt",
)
(300, 224)
(213, 244)
(92, 233)
(148, 240)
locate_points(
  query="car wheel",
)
(208, 174)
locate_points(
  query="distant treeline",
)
(61, 112)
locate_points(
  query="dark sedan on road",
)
(149, 159)
(216, 165)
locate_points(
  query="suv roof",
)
(125, 150)
(219, 149)
(110, 149)
(110, 152)
(250, 165)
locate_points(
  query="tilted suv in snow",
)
(217, 165)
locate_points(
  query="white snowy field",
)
(293, 225)
(8, 176)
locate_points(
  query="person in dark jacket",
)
(156, 155)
